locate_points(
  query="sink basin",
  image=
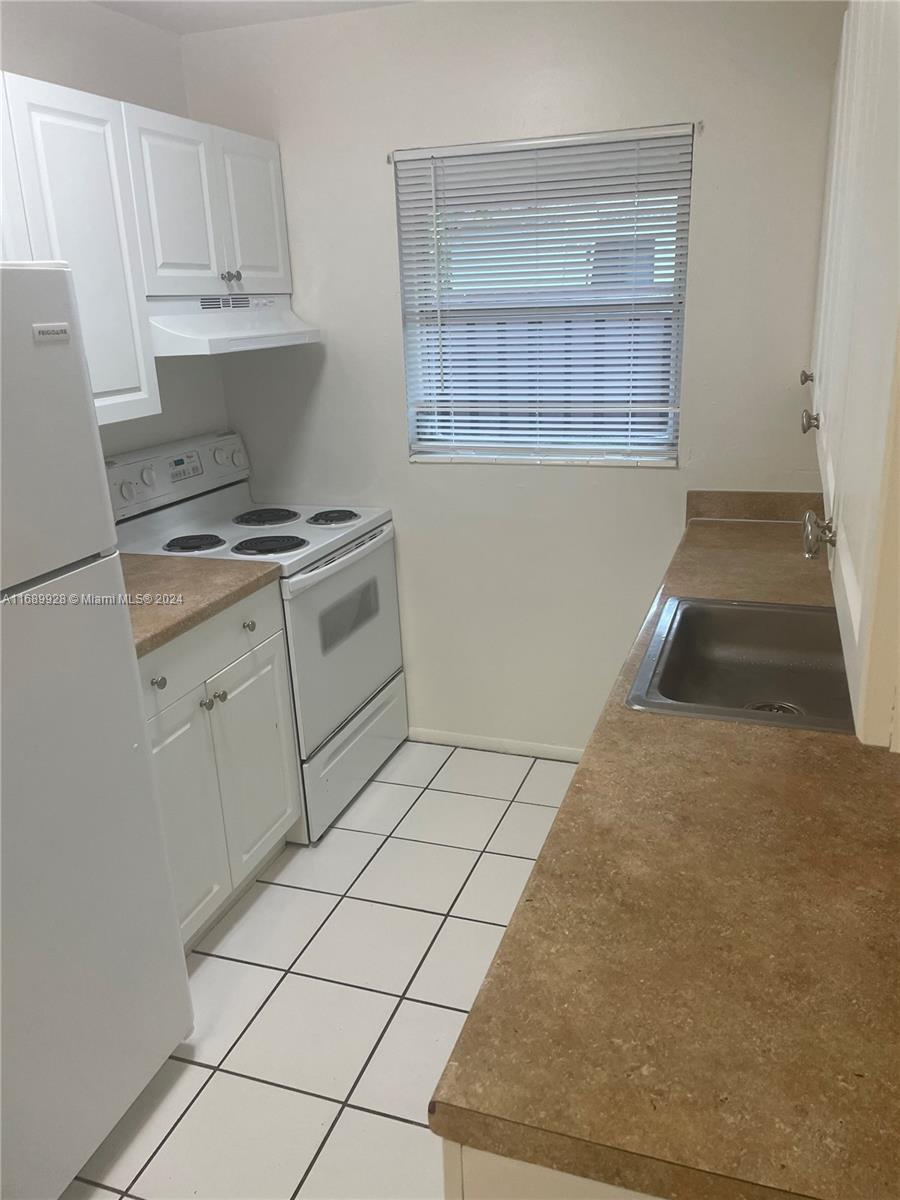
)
(772, 664)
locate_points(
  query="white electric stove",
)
(338, 588)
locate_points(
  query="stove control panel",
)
(142, 480)
(186, 465)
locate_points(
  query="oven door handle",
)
(303, 580)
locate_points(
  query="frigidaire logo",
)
(58, 332)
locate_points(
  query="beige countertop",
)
(697, 996)
(205, 586)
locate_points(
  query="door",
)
(343, 625)
(855, 354)
(256, 230)
(180, 203)
(188, 788)
(14, 243)
(55, 498)
(95, 993)
(74, 170)
(253, 734)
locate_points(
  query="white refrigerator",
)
(94, 986)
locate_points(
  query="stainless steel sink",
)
(773, 664)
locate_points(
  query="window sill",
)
(546, 460)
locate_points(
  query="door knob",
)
(207, 704)
(250, 626)
(808, 420)
(227, 276)
(816, 533)
(806, 376)
(238, 277)
(159, 681)
(223, 695)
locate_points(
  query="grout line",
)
(483, 850)
(284, 1087)
(175, 1125)
(453, 750)
(389, 1021)
(376, 1112)
(481, 854)
(419, 790)
(431, 912)
(114, 1191)
(215, 1067)
(404, 997)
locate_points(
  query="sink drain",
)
(776, 706)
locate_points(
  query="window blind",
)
(543, 291)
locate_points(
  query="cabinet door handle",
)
(227, 276)
(817, 534)
(250, 626)
(237, 276)
(207, 704)
(808, 420)
(159, 681)
(223, 695)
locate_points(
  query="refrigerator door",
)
(55, 498)
(94, 990)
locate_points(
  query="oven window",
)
(344, 617)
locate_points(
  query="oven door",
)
(343, 627)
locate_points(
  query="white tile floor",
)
(328, 999)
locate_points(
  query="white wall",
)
(81, 45)
(522, 586)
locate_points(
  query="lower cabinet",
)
(253, 736)
(184, 759)
(227, 772)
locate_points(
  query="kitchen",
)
(360, 689)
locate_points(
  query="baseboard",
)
(471, 741)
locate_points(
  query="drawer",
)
(347, 761)
(208, 648)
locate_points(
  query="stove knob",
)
(239, 458)
(127, 491)
(220, 456)
(148, 476)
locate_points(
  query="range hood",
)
(225, 324)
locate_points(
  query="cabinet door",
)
(14, 243)
(253, 732)
(256, 232)
(185, 768)
(855, 357)
(73, 165)
(180, 210)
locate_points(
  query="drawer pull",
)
(221, 696)
(250, 626)
(159, 681)
(207, 704)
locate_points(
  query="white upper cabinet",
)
(210, 207)
(256, 231)
(178, 197)
(73, 166)
(855, 362)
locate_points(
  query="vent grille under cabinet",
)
(218, 302)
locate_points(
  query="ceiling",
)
(201, 16)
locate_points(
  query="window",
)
(543, 296)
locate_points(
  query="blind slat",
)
(543, 296)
